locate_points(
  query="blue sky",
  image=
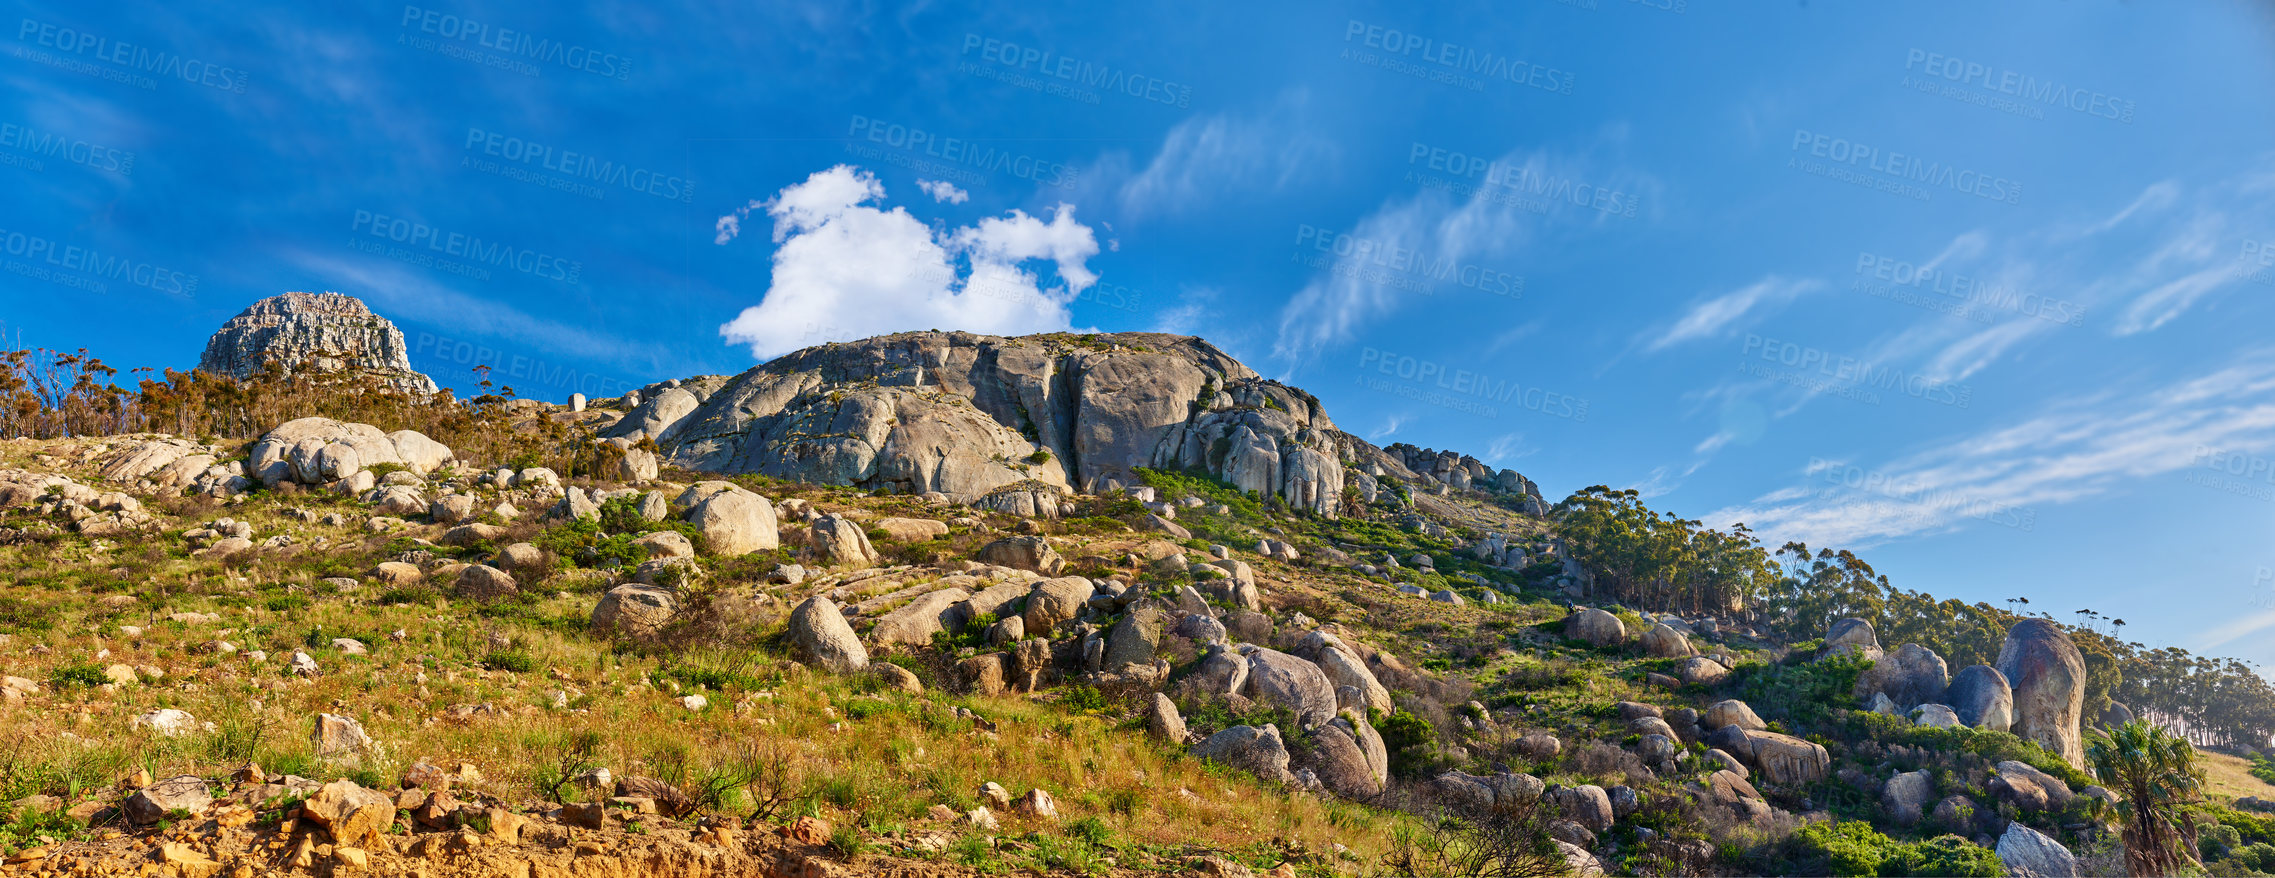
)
(1984, 293)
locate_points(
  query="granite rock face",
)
(2047, 674)
(323, 333)
(966, 415)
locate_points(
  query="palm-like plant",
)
(2155, 771)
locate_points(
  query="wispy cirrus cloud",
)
(2072, 450)
(1205, 159)
(1714, 316)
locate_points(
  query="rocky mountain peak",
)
(972, 415)
(313, 332)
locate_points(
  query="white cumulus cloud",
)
(846, 268)
(944, 191)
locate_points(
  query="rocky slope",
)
(326, 333)
(968, 415)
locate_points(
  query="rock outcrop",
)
(2048, 675)
(966, 415)
(324, 333)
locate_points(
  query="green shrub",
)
(1847, 847)
(1991, 746)
(1408, 738)
(1942, 855)
(77, 675)
(287, 603)
(514, 661)
(1808, 692)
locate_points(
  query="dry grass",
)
(868, 758)
(2230, 776)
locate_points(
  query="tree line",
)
(1651, 560)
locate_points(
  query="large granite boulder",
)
(634, 609)
(1282, 680)
(819, 635)
(2027, 852)
(1258, 751)
(1054, 602)
(1134, 639)
(1910, 676)
(1979, 694)
(313, 333)
(1779, 759)
(322, 451)
(840, 541)
(1595, 626)
(1907, 795)
(1663, 641)
(733, 521)
(1339, 762)
(1024, 553)
(2047, 674)
(913, 624)
(1850, 636)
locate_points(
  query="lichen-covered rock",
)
(483, 582)
(1134, 639)
(1341, 764)
(322, 333)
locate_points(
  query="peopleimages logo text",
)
(1498, 175)
(1901, 273)
(461, 246)
(962, 153)
(1043, 62)
(78, 152)
(1409, 260)
(517, 43)
(1490, 65)
(1855, 371)
(86, 260)
(2020, 85)
(141, 59)
(579, 166)
(1463, 384)
(1911, 168)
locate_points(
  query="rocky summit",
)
(970, 416)
(323, 333)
